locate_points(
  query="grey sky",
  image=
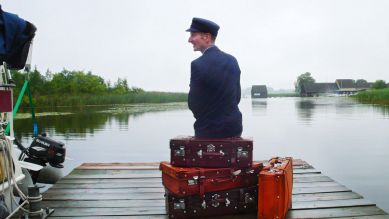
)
(274, 41)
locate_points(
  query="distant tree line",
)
(71, 88)
(70, 82)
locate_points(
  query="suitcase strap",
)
(201, 182)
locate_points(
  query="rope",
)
(6, 144)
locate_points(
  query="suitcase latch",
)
(193, 181)
(180, 152)
(211, 148)
(204, 204)
(215, 201)
(248, 198)
(200, 153)
(180, 205)
(241, 153)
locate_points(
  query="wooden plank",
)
(314, 184)
(305, 171)
(252, 216)
(104, 203)
(238, 216)
(102, 196)
(301, 190)
(154, 196)
(97, 181)
(74, 212)
(295, 176)
(149, 174)
(325, 196)
(146, 184)
(318, 178)
(305, 190)
(107, 185)
(335, 212)
(128, 191)
(369, 217)
(161, 203)
(118, 166)
(331, 204)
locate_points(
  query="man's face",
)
(199, 40)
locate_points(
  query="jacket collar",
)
(211, 48)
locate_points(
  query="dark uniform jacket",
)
(214, 95)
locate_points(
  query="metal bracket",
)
(241, 153)
(248, 198)
(193, 181)
(180, 152)
(200, 153)
(180, 205)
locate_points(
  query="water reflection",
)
(82, 122)
(305, 109)
(69, 126)
(384, 110)
(259, 106)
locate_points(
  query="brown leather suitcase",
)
(183, 181)
(275, 189)
(219, 153)
(220, 203)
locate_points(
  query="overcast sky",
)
(274, 40)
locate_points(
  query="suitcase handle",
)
(216, 200)
(200, 153)
(227, 179)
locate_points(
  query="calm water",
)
(345, 140)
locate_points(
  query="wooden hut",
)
(259, 91)
(315, 89)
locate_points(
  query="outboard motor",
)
(42, 151)
(46, 150)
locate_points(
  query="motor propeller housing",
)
(46, 150)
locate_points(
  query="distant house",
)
(341, 86)
(315, 89)
(259, 91)
(345, 83)
(348, 86)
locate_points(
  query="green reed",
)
(375, 96)
(108, 99)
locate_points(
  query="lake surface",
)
(346, 140)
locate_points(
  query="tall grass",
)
(109, 99)
(379, 96)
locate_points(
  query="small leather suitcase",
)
(275, 189)
(183, 181)
(219, 153)
(226, 202)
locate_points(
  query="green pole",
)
(35, 125)
(16, 107)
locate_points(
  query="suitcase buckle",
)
(180, 152)
(193, 181)
(180, 205)
(241, 153)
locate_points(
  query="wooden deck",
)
(134, 190)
